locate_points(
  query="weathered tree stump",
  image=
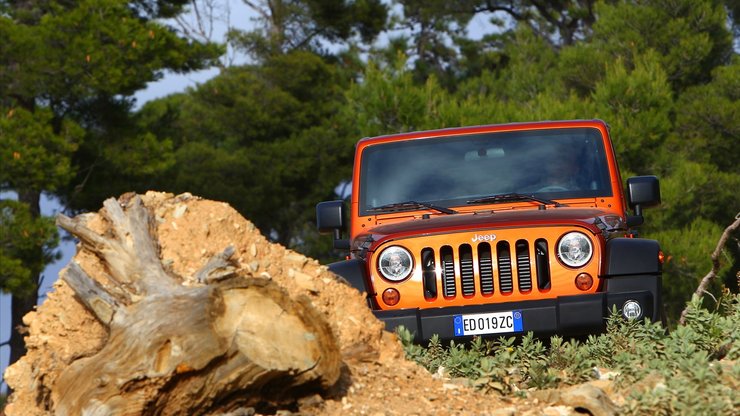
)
(226, 342)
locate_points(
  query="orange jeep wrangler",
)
(496, 230)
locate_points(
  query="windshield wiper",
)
(512, 197)
(408, 205)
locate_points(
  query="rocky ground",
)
(377, 379)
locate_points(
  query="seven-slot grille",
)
(495, 271)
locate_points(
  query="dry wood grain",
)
(226, 342)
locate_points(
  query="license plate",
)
(487, 323)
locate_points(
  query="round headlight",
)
(395, 263)
(574, 249)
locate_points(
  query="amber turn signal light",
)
(391, 297)
(584, 281)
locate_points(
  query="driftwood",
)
(702, 288)
(226, 342)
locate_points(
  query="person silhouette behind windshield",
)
(561, 171)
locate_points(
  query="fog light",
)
(631, 310)
(391, 297)
(584, 281)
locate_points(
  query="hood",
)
(586, 217)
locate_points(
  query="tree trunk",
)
(21, 305)
(226, 342)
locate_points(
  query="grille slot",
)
(505, 278)
(467, 277)
(523, 268)
(485, 266)
(448, 272)
(541, 262)
(428, 273)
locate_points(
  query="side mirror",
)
(330, 218)
(642, 192)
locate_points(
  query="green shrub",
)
(692, 370)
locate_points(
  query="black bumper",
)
(566, 315)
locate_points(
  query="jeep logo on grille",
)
(483, 237)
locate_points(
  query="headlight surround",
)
(575, 249)
(395, 263)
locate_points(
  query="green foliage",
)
(708, 119)
(147, 156)
(701, 180)
(697, 190)
(690, 38)
(529, 71)
(637, 104)
(688, 261)
(66, 77)
(301, 25)
(388, 100)
(27, 243)
(34, 155)
(690, 379)
(699, 201)
(428, 33)
(69, 53)
(260, 137)
(268, 102)
(692, 370)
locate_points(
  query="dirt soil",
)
(377, 380)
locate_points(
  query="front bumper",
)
(565, 315)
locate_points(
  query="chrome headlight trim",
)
(575, 249)
(395, 263)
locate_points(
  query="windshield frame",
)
(511, 137)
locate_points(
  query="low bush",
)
(694, 369)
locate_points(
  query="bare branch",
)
(218, 267)
(91, 293)
(259, 10)
(715, 263)
(201, 20)
(132, 256)
(86, 235)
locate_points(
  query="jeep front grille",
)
(458, 271)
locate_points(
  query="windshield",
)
(454, 170)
